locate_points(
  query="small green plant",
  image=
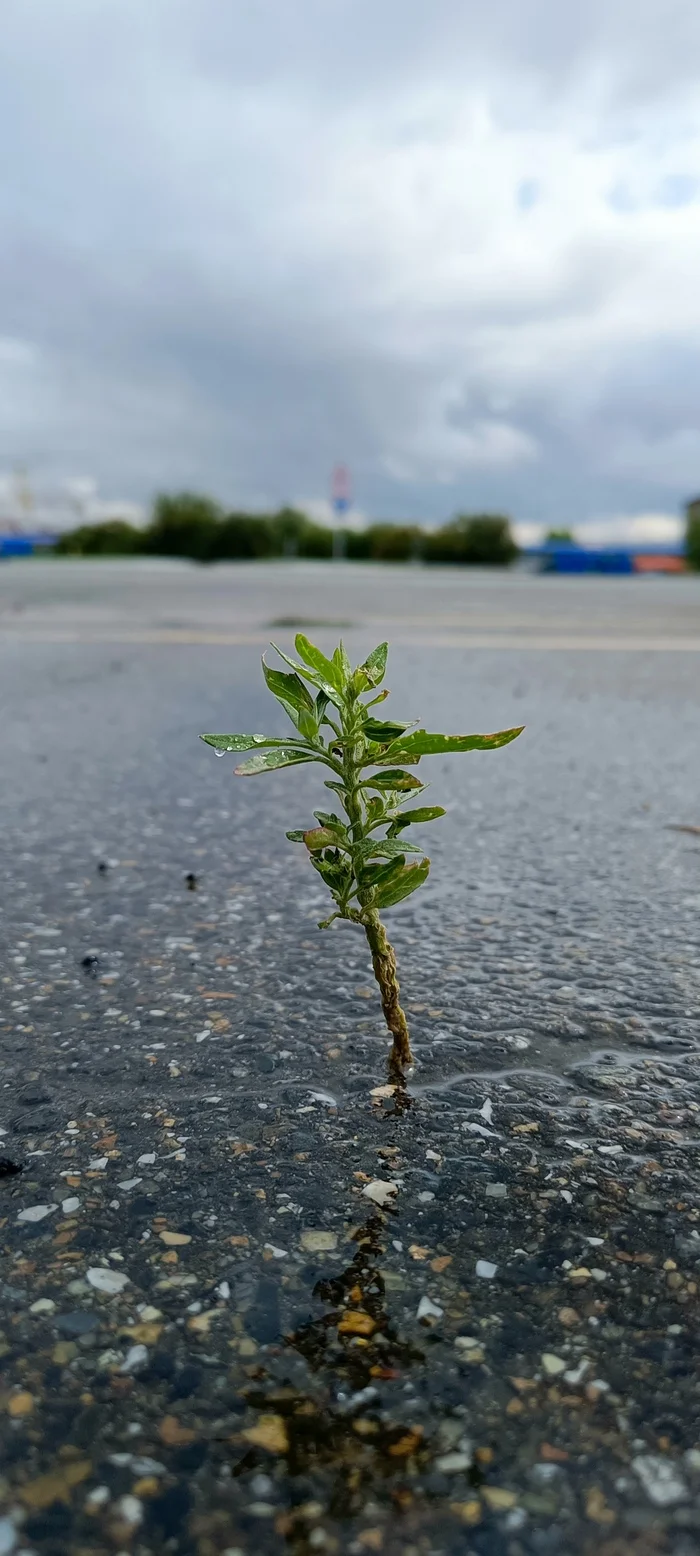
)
(361, 856)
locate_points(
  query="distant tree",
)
(559, 537)
(692, 533)
(394, 542)
(112, 538)
(481, 539)
(241, 537)
(184, 524)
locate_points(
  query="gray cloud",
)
(453, 245)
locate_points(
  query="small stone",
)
(485, 1269)
(69, 1205)
(9, 1536)
(35, 1213)
(381, 1191)
(21, 1404)
(498, 1499)
(660, 1479)
(80, 1322)
(129, 1183)
(43, 1305)
(270, 1433)
(553, 1365)
(111, 1282)
(136, 1357)
(356, 1322)
(317, 1241)
(99, 1164)
(569, 1317)
(130, 1508)
(175, 1239)
(147, 1159)
(496, 1191)
(428, 1309)
(453, 1463)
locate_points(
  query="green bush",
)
(188, 525)
(692, 533)
(240, 537)
(483, 539)
(112, 538)
(183, 525)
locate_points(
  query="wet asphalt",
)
(214, 1339)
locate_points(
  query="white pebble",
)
(43, 1305)
(136, 1357)
(109, 1281)
(428, 1309)
(68, 1205)
(485, 1270)
(553, 1365)
(660, 1479)
(36, 1212)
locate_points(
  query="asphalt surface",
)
(214, 1339)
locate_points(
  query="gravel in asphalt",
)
(255, 1298)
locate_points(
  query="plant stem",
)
(384, 964)
(383, 958)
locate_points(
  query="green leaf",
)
(394, 779)
(332, 873)
(410, 818)
(333, 822)
(331, 692)
(375, 665)
(297, 836)
(422, 744)
(241, 742)
(382, 731)
(342, 663)
(411, 877)
(379, 874)
(321, 704)
(308, 726)
(264, 761)
(384, 848)
(317, 661)
(317, 838)
(290, 691)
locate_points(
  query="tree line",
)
(188, 525)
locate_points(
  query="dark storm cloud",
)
(454, 245)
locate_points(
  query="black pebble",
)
(80, 1322)
(186, 1382)
(169, 1511)
(191, 880)
(90, 963)
(9, 1168)
(102, 867)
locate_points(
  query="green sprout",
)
(361, 856)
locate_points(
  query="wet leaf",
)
(240, 742)
(394, 779)
(266, 760)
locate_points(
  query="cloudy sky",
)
(455, 245)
